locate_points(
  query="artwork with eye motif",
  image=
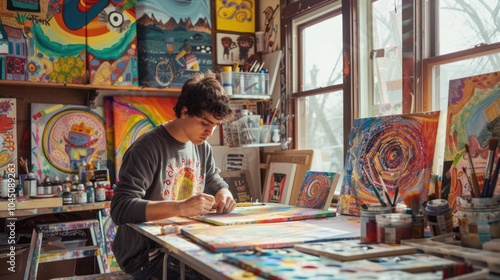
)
(391, 155)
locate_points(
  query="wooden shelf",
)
(249, 96)
(91, 87)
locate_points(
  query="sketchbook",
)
(348, 250)
(270, 235)
(266, 213)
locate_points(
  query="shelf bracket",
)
(91, 96)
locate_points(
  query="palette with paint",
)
(293, 264)
(347, 250)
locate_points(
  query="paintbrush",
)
(412, 201)
(470, 183)
(475, 184)
(375, 190)
(492, 147)
(386, 193)
(493, 183)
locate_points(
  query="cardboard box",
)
(33, 203)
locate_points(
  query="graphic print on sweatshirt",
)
(183, 180)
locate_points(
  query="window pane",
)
(465, 24)
(324, 115)
(322, 54)
(386, 56)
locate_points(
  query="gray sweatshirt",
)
(156, 167)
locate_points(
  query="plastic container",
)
(249, 129)
(267, 132)
(369, 223)
(247, 83)
(439, 216)
(479, 220)
(227, 79)
(393, 227)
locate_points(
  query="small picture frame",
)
(240, 185)
(234, 47)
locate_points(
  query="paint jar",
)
(439, 216)
(393, 227)
(67, 198)
(29, 186)
(479, 220)
(227, 79)
(369, 223)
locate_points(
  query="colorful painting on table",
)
(130, 116)
(266, 213)
(8, 136)
(317, 189)
(392, 152)
(270, 235)
(174, 40)
(64, 136)
(473, 118)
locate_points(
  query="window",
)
(317, 87)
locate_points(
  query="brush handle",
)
(493, 183)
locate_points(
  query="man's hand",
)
(224, 201)
(198, 204)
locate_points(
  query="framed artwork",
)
(473, 118)
(279, 182)
(63, 136)
(8, 136)
(388, 154)
(235, 15)
(317, 189)
(234, 47)
(270, 25)
(240, 185)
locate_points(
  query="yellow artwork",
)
(235, 15)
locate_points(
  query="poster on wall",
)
(234, 48)
(8, 137)
(65, 136)
(174, 40)
(235, 15)
(270, 25)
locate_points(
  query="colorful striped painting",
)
(396, 151)
(267, 213)
(8, 137)
(130, 116)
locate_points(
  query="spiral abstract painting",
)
(394, 153)
(317, 189)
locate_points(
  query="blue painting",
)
(174, 40)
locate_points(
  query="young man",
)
(170, 171)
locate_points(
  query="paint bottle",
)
(369, 223)
(66, 184)
(19, 190)
(81, 196)
(67, 198)
(393, 227)
(90, 192)
(29, 186)
(82, 172)
(227, 79)
(47, 185)
(57, 187)
(479, 220)
(100, 193)
(439, 216)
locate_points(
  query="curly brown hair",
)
(202, 92)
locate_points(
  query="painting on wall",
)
(131, 117)
(8, 136)
(50, 44)
(64, 136)
(270, 25)
(473, 118)
(235, 15)
(174, 40)
(394, 153)
(234, 47)
(112, 44)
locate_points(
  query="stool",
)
(35, 255)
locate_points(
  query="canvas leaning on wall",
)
(317, 189)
